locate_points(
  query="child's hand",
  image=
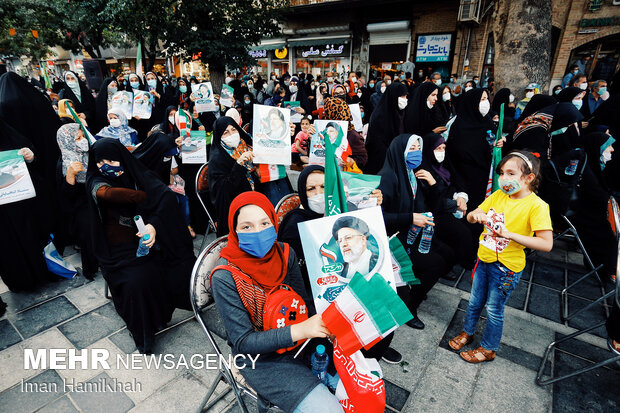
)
(311, 130)
(502, 232)
(478, 217)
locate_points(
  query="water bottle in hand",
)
(427, 236)
(143, 249)
(320, 359)
(572, 167)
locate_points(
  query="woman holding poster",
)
(26, 223)
(260, 265)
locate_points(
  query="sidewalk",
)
(74, 314)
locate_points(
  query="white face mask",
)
(359, 94)
(529, 95)
(171, 119)
(429, 105)
(82, 145)
(484, 107)
(437, 82)
(511, 98)
(440, 155)
(115, 123)
(330, 79)
(383, 89)
(468, 88)
(317, 203)
(402, 103)
(293, 88)
(227, 80)
(354, 79)
(606, 157)
(583, 86)
(232, 140)
(446, 96)
(389, 82)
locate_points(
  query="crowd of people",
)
(432, 143)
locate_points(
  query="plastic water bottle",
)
(490, 137)
(427, 236)
(412, 234)
(458, 214)
(143, 249)
(320, 359)
(572, 167)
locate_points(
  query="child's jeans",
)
(184, 204)
(492, 286)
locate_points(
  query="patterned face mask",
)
(110, 171)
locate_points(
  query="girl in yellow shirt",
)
(511, 216)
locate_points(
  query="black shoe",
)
(416, 323)
(451, 276)
(392, 356)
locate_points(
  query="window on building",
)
(489, 57)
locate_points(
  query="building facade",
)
(375, 37)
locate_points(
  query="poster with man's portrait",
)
(203, 93)
(227, 96)
(141, 104)
(271, 135)
(337, 247)
(123, 101)
(336, 130)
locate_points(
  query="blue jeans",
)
(184, 203)
(320, 399)
(492, 286)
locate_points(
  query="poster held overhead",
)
(271, 135)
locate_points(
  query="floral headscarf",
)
(69, 150)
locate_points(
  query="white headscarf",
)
(122, 133)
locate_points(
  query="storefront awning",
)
(318, 41)
(269, 45)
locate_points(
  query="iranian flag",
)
(401, 264)
(271, 172)
(139, 70)
(358, 316)
(335, 199)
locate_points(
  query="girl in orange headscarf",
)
(257, 264)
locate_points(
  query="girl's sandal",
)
(460, 341)
(478, 355)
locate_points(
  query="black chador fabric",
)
(288, 231)
(145, 289)
(85, 103)
(153, 154)
(568, 94)
(25, 224)
(591, 217)
(386, 122)
(468, 149)
(227, 178)
(537, 103)
(419, 119)
(26, 110)
(503, 96)
(533, 133)
(606, 116)
(101, 104)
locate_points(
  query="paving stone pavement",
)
(75, 314)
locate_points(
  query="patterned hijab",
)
(337, 109)
(122, 133)
(69, 150)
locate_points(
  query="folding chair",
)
(286, 205)
(551, 348)
(201, 298)
(202, 187)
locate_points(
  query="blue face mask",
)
(362, 115)
(134, 85)
(257, 244)
(183, 89)
(112, 90)
(152, 83)
(578, 103)
(110, 171)
(602, 90)
(413, 159)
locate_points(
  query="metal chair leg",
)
(551, 348)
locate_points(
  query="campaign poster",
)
(123, 101)
(227, 96)
(356, 113)
(203, 93)
(271, 135)
(337, 247)
(357, 189)
(194, 148)
(295, 117)
(15, 182)
(142, 104)
(336, 130)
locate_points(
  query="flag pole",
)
(301, 348)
